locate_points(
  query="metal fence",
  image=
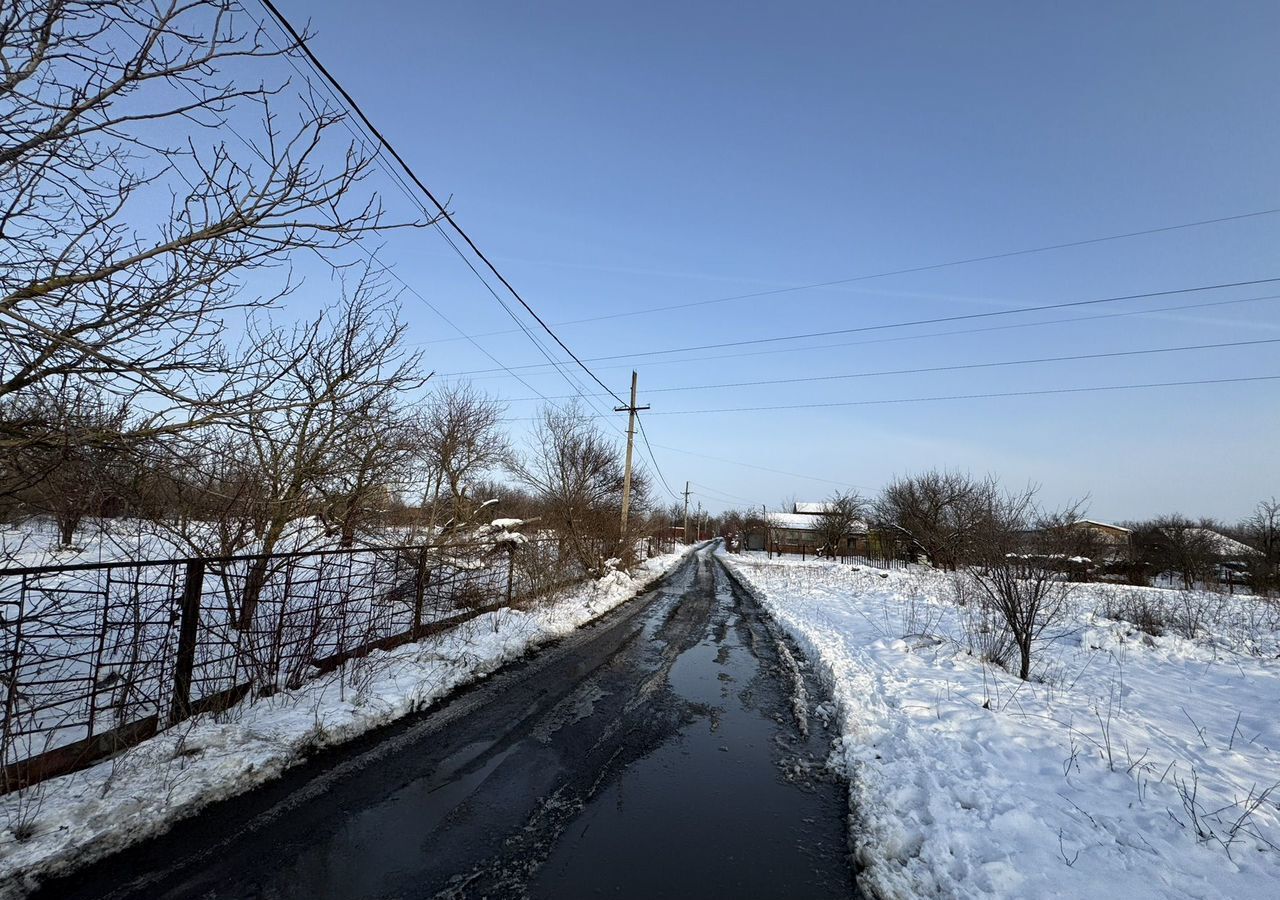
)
(97, 657)
(886, 563)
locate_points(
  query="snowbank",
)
(1132, 765)
(72, 820)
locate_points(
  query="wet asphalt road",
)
(655, 753)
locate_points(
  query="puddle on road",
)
(385, 839)
(709, 813)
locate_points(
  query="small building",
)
(799, 531)
(1102, 540)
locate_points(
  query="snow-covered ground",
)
(79, 817)
(1131, 765)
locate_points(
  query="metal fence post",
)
(193, 584)
(511, 565)
(419, 591)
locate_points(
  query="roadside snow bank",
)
(69, 821)
(1132, 765)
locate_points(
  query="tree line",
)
(159, 179)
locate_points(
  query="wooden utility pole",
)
(686, 512)
(631, 437)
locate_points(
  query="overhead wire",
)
(380, 144)
(930, 321)
(653, 458)
(976, 396)
(932, 334)
(911, 269)
(355, 107)
(759, 468)
(809, 379)
(283, 22)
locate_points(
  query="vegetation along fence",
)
(97, 657)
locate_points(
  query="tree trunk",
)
(1024, 651)
(67, 530)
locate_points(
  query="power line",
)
(399, 180)
(386, 144)
(734, 462)
(722, 496)
(889, 325)
(906, 271)
(1037, 393)
(932, 334)
(954, 368)
(654, 459)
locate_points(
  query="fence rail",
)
(886, 563)
(96, 657)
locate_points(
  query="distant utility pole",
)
(631, 438)
(686, 512)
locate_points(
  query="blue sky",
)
(613, 157)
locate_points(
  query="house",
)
(799, 531)
(1102, 540)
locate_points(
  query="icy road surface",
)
(668, 750)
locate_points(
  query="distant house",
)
(799, 531)
(1103, 540)
(1226, 549)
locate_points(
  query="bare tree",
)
(129, 218)
(371, 464)
(841, 513)
(459, 441)
(346, 377)
(577, 475)
(940, 511)
(1262, 531)
(1179, 545)
(76, 461)
(1018, 559)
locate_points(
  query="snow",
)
(74, 819)
(799, 521)
(810, 507)
(794, 521)
(1131, 765)
(1101, 525)
(1222, 545)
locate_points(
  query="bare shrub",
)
(1019, 552)
(986, 633)
(1185, 613)
(1141, 610)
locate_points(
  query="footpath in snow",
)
(1131, 765)
(72, 820)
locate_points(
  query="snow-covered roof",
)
(1221, 544)
(796, 521)
(807, 522)
(804, 507)
(1100, 524)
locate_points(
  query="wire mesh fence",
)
(96, 657)
(888, 563)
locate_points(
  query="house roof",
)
(1223, 545)
(1100, 524)
(807, 522)
(809, 508)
